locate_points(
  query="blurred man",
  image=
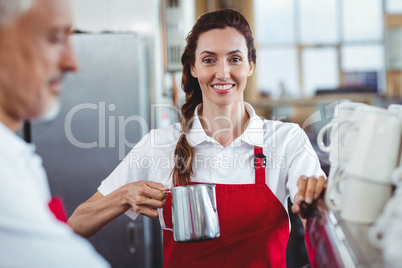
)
(35, 53)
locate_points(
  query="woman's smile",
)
(223, 88)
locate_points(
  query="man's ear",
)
(193, 71)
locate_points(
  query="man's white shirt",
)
(30, 235)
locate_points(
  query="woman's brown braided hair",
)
(219, 19)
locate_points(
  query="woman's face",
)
(222, 66)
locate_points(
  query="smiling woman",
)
(255, 164)
(220, 49)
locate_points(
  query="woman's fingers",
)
(320, 186)
(156, 185)
(299, 197)
(296, 207)
(310, 188)
(302, 185)
(146, 196)
(155, 194)
(147, 211)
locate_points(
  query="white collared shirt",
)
(286, 146)
(30, 235)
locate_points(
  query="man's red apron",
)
(253, 223)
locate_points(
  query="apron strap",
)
(259, 165)
(56, 206)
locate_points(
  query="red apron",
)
(254, 229)
(56, 206)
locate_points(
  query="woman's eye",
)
(236, 59)
(207, 60)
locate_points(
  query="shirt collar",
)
(253, 135)
(11, 144)
(196, 134)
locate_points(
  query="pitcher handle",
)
(161, 219)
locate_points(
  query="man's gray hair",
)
(10, 9)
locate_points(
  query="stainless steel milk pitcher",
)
(195, 217)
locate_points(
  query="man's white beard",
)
(50, 114)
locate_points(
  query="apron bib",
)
(254, 228)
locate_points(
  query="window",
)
(322, 11)
(320, 69)
(309, 45)
(393, 6)
(281, 68)
(275, 22)
(362, 20)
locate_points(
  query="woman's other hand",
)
(94, 214)
(310, 188)
(145, 197)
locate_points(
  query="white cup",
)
(363, 201)
(334, 193)
(396, 178)
(382, 230)
(376, 149)
(342, 113)
(339, 151)
(397, 110)
(392, 251)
